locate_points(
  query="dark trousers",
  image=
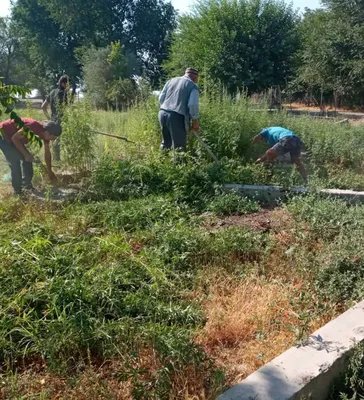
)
(15, 161)
(174, 131)
(56, 145)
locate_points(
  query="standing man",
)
(179, 105)
(57, 99)
(282, 141)
(12, 144)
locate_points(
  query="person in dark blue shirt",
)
(282, 141)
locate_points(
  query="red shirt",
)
(9, 128)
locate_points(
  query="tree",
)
(332, 55)
(10, 55)
(53, 29)
(350, 9)
(239, 43)
(107, 75)
(49, 52)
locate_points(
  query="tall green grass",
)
(335, 152)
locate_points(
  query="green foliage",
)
(90, 283)
(340, 273)
(48, 50)
(78, 143)
(8, 99)
(138, 214)
(107, 76)
(51, 31)
(232, 204)
(342, 280)
(332, 52)
(121, 93)
(245, 43)
(351, 385)
(193, 184)
(11, 59)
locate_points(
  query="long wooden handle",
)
(203, 144)
(113, 136)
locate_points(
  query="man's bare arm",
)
(257, 138)
(269, 156)
(48, 161)
(20, 141)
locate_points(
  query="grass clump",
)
(232, 204)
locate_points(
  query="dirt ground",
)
(266, 220)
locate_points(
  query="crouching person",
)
(282, 141)
(20, 161)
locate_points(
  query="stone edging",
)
(308, 370)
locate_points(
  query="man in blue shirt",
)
(282, 141)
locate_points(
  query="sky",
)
(181, 5)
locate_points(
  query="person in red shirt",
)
(12, 144)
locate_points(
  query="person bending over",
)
(282, 141)
(13, 145)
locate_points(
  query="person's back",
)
(275, 133)
(9, 128)
(177, 94)
(179, 108)
(57, 100)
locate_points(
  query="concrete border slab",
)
(275, 193)
(306, 371)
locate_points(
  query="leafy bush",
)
(107, 74)
(78, 143)
(343, 280)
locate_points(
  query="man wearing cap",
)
(179, 107)
(12, 144)
(57, 100)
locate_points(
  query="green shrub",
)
(78, 143)
(343, 280)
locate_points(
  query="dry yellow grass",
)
(250, 323)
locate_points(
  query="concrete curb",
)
(275, 193)
(306, 371)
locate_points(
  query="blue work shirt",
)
(274, 134)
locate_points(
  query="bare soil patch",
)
(267, 220)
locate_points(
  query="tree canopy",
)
(248, 45)
(332, 52)
(51, 31)
(240, 43)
